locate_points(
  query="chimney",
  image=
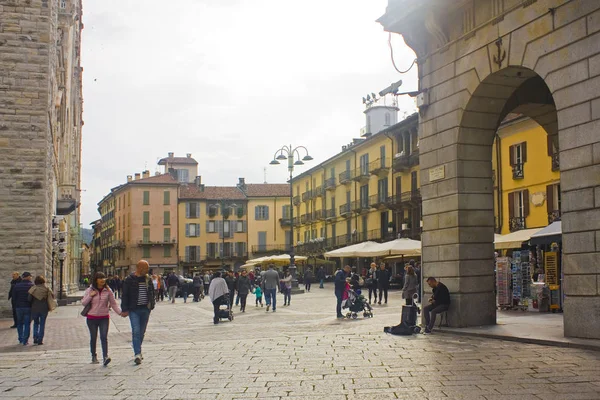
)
(201, 187)
(157, 173)
(171, 155)
(137, 176)
(145, 174)
(198, 181)
(189, 155)
(242, 182)
(129, 178)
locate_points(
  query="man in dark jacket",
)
(321, 277)
(383, 282)
(231, 282)
(16, 278)
(197, 282)
(340, 286)
(137, 301)
(172, 284)
(23, 307)
(439, 302)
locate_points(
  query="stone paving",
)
(300, 351)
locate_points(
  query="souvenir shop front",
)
(528, 270)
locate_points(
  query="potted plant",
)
(391, 227)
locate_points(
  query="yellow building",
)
(525, 164)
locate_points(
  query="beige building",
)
(185, 168)
(40, 144)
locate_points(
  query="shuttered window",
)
(261, 213)
(167, 251)
(167, 235)
(146, 198)
(146, 235)
(167, 218)
(192, 210)
(146, 218)
(167, 198)
(192, 230)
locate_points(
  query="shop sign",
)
(551, 265)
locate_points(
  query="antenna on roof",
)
(265, 173)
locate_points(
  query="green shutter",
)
(146, 252)
(146, 218)
(146, 233)
(167, 218)
(167, 251)
(146, 198)
(167, 197)
(167, 234)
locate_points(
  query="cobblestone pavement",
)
(300, 351)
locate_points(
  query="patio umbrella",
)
(404, 247)
(364, 249)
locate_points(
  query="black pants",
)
(160, 294)
(307, 286)
(216, 304)
(206, 289)
(372, 291)
(197, 293)
(383, 292)
(430, 313)
(231, 298)
(95, 325)
(14, 310)
(243, 301)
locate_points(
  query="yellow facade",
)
(524, 174)
(273, 228)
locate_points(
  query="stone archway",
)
(537, 57)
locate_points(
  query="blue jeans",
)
(139, 321)
(287, 296)
(338, 307)
(271, 294)
(23, 324)
(321, 284)
(39, 325)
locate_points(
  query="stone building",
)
(478, 61)
(40, 137)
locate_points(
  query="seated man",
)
(439, 302)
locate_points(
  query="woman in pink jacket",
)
(101, 298)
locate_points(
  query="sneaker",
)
(13, 326)
(268, 307)
(95, 360)
(107, 361)
(138, 359)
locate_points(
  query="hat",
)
(25, 274)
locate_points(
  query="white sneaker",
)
(138, 359)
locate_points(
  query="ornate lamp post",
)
(290, 154)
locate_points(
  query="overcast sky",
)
(229, 81)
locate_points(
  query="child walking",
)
(258, 294)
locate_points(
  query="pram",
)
(225, 313)
(355, 303)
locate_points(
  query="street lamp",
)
(290, 154)
(223, 205)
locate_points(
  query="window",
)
(332, 172)
(285, 212)
(146, 218)
(364, 164)
(518, 157)
(167, 251)
(518, 209)
(553, 202)
(192, 210)
(211, 227)
(167, 218)
(261, 213)
(129, 198)
(322, 232)
(382, 189)
(146, 198)
(183, 175)
(167, 235)
(349, 229)
(211, 250)
(146, 252)
(192, 230)
(167, 198)
(146, 235)
(333, 231)
(63, 4)
(364, 196)
(239, 226)
(192, 253)
(240, 249)
(306, 236)
(262, 241)
(382, 156)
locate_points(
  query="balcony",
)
(518, 171)
(308, 195)
(329, 214)
(404, 162)
(146, 242)
(345, 210)
(345, 177)
(118, 244)
(267, 249)
(296, 200)
(306, 218)
(378, 201)
(318, 215)
(361, 174)
(380, 167)
(330, 184)
(555, 162)
(553, 216)
(406, 199)
(285, 221)
(360, 206)
(319, 191)
(516, 223)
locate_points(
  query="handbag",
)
(369, 281)
(52, 304)
(86, 309)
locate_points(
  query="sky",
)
(229, 81)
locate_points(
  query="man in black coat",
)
(16, 278)
(23, 307)
(383, 282)
(439, 302)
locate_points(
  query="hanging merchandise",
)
(551, 264)
(503, 276)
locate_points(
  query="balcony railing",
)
(345, 177)
(380, 166)
(406, 162)
(378, 200)
(307, 195)
(345, 210)
(285, 221)
(361, 174)
(405, 199)
(306, 218)
(318, 215)
(555, 162)
(296, 200)
(330, 184)
(270, 248)
(319, 191)
(518, 171)
(516, 223)
(360, 206)
(330, 214)
(147, 242)
(119, 244)
(553, 216)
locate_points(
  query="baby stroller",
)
(355, 304)
(225, 312)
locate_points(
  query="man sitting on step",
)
(439, 302)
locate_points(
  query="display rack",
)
(503, 276)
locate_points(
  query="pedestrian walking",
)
(237, 295)
(158, 289)
(41, 298)
(173, 283)
(102, 299)
(197, 282)
(410, 284)
(258, 294)
(340, 288)
(321, 277)
(286, 287)
(383, 283)
(371, 282)
(218, 293)
(271, 283)
(185, 289)
(137, 303)
(308, 278)
(118, 286)
(16, 278)
(23, 306)
(206, 283)
(230, 280)
(243, 288)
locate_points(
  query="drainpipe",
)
(499, 180)
(392, 176)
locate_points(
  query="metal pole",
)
(53, 255)
(61, 278)
(223, 237)
(292, 256)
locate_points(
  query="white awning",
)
(364, 249)
(549, 234)
(514, 240)
(402, 247)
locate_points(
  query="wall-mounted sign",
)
(436, 173)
